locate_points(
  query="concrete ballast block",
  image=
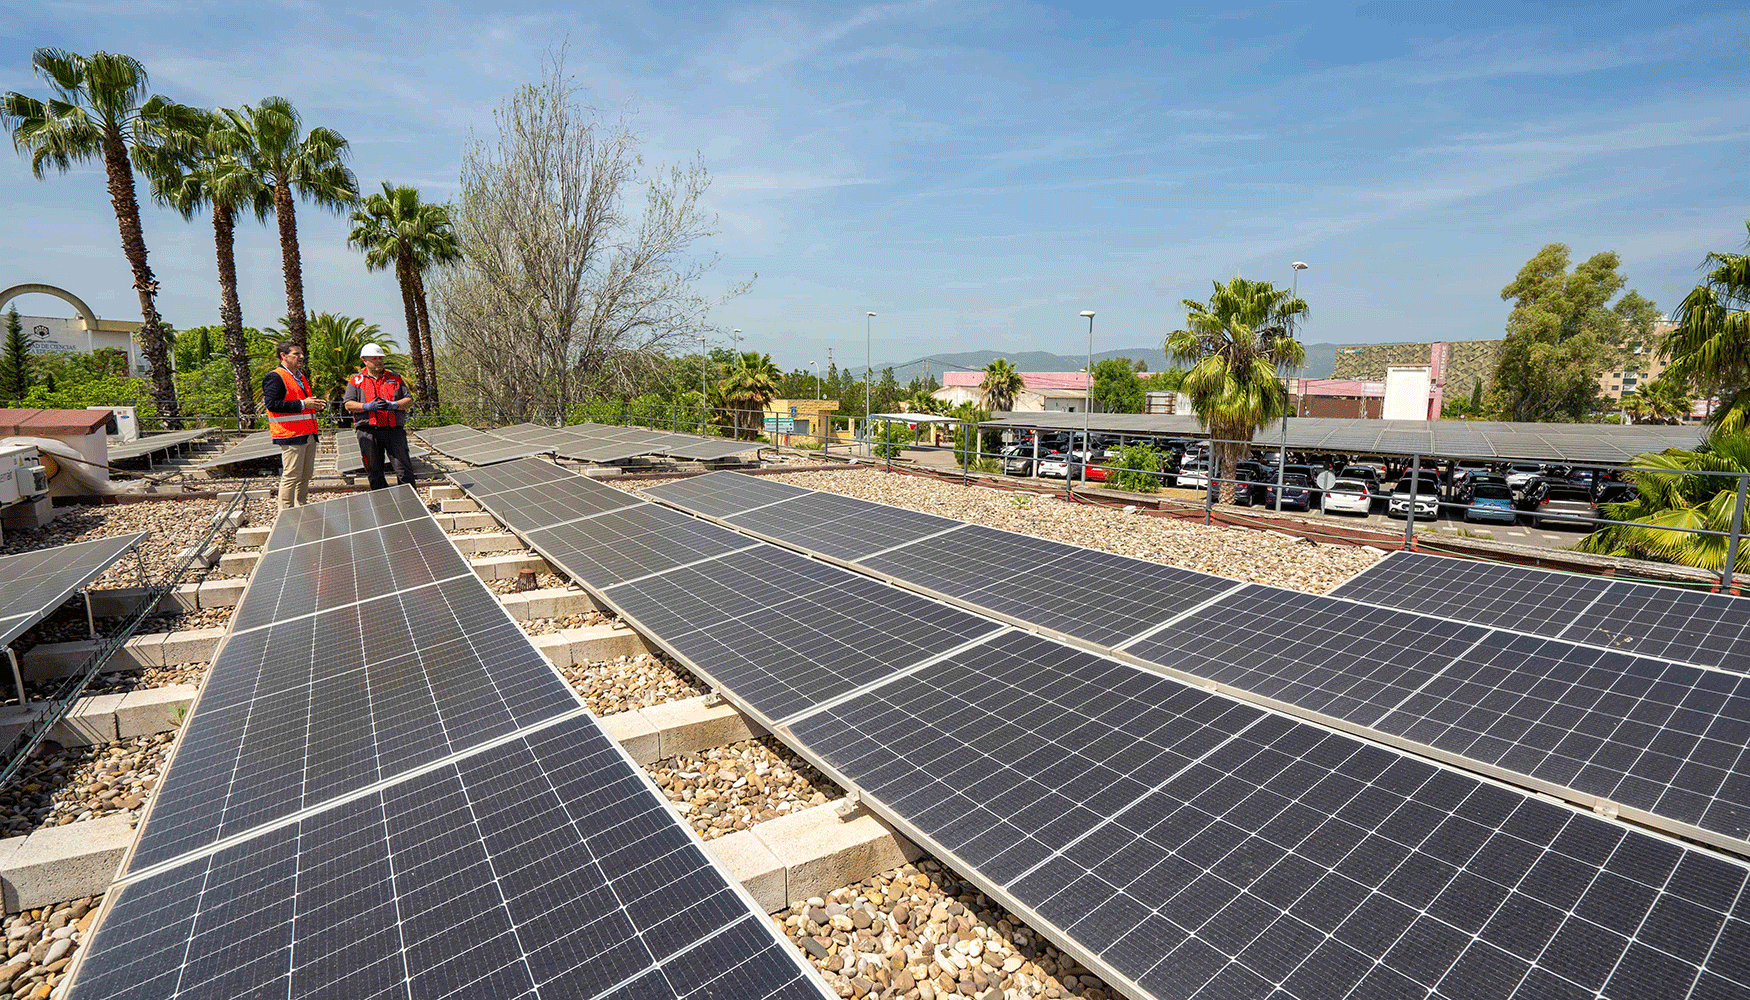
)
(447, 493)
(750, 862)
(221, 593)
(458, 506)
(466, 522)
(195, 645)
(634, 732)
(239, 563)
(253, 536)
(58, 863)
(822, 852)
(506, 567)
(689, 725)
(492, 541)
(150, 711)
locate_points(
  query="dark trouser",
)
(373, 442)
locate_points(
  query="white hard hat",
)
(371, 351)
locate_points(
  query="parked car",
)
(1463, 491)
(1350, 496)
(1248, 484)
(1054, 465)
(1365, 473)
(1553, 502)
(1489, 502)
(1018, 460)
(1520, 474)
(1096, 466)
(1194, 476)
(1420, 492)
(1297, 492)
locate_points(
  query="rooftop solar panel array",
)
(1184, 843)
(401, 798)
(33, 584)
(349, 461)
(465, 444)
(1688, 625)
(1658, 737)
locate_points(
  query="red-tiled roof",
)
(1339, 387)
(1032, 380)
(51, 423)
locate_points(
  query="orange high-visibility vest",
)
(291, 425)
(372, 389)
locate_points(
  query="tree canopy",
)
(1710, 342)
(1117, 388)
(1562, 333)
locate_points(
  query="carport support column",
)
(1035, 467)
(1737, 532)
(1410, 511)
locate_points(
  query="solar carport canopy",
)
(1606, 444)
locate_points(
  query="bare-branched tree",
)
(564, 293)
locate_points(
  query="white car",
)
(1194, 476)
(1348, 496)
(1426, 500)
(1520, 474)
(1054, 465)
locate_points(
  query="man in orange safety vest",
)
(292, 424)
(379, 402)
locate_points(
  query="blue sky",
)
(977, 173)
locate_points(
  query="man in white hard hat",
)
(378, 398)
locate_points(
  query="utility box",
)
(22, 476)
(1407, 392)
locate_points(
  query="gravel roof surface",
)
(629, 682)
(1240, 553)
(919, 932)
(40, 945)
(79, 783)
(725, 789)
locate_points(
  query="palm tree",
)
(751, 382)
(1002, 383)
(383, 228)
(1237, 342)
(100, 110)
(1667, 399)
(204, 169)
(335, 343)
(1636, 407)
(294, 164)
(434, 245)
(1671, 499)
(1710, 343)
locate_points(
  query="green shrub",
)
(892, 437)
(1137, 469)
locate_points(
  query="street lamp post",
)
(1282, 454)
(1088, 401)
(868, 371)
(818, 391)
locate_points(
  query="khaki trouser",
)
(297, 465)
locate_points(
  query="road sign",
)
(780, 425)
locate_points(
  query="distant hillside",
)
(1320, 359)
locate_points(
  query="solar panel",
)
(546, 504)
(785, 632)
(1670, 622)
(331, 572)
(465, 444)
(515, 475)
(709, 449)
(305, 709)
(720, 494)
(348, 460)
(251, 448)
(360, 512)
(545, 867)
(1197, 847)
(1646, 734)
(840, 526)
(620, 545)
(35, 583)
(150, 444)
